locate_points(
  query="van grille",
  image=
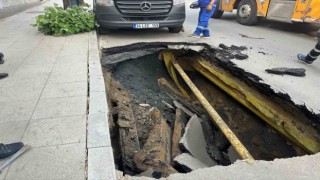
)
(129, 7)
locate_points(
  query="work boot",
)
(302, 58)
(1, 58)
(194, 35)
(206, 36)
(7, 150)
(3, 75)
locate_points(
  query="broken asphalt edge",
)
(249, 78)
(100, 162)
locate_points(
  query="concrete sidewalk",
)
(44, 101)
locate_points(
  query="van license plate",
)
(145, 26)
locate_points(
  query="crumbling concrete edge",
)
(100, 154)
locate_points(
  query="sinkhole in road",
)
(156, 130)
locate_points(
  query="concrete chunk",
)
(189, 163)
(193, 141)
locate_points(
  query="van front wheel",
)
(247, 12)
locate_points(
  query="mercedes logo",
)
(145, 6)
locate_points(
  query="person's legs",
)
(312, 56)
(205, 21)
(7, 150)
(199, 28)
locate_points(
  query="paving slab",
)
(68, 76)
(55, 131)
(64, 89)
(73, 67)
(27, 80)
(54, 162)
(12, 131)
(60, 107)
(33, 70)
(74, 59)
(17, 93)
(3, 174)
(16, 110)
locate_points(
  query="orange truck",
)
(249, 11)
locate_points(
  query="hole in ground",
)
(146, 124)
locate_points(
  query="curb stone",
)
(100, 153)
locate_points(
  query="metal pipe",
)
(215, 117)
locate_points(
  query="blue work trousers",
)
(203, 21)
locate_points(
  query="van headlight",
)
(178, 2)
(105, 2)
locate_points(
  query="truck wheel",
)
(176, 29)
(103, 31)
(247, 12)
(217, 12)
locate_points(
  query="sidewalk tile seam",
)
(60, 117)
(56, 145)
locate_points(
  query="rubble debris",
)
(179, 125)
(245, 36)
(155, 153)
(128, 135)
(139, 78)
(168, 105)
(300, 72)
(234, 52)
(188, 163)
(144, 122)
(261, 52)
(180, 106)
(215, 148)
(150, 173)
(144, 105)
(219, 156)
(241, 56)
(194, 142)
(119, 174)
(233, 155)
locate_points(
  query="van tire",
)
(103, 31)
(217, 12)
(176, 29)
(247, 12)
